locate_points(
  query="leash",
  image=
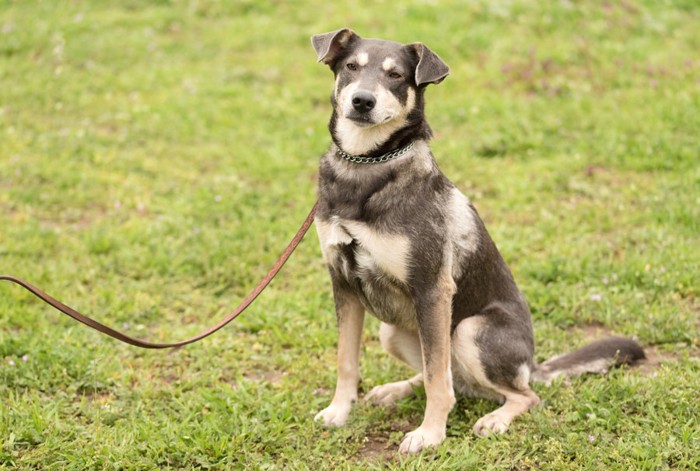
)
(262, 284)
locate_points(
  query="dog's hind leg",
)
(517, 402)
(493, 361)
(405, 346)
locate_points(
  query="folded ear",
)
(329, 45)
(430, 68)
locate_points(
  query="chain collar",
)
(363, 159)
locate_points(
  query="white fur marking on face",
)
(336, 92)
(362, 59)
(344, 97)
(388, 105)
(388, 64)
(388, 114)
(410, 100)
(357, 140)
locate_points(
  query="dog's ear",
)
(430, 68)
(329, 45)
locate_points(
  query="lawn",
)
(155, 158)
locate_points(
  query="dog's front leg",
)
(351, 315)
(434, 311)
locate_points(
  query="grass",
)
(155, 157)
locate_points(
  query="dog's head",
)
(377, 83)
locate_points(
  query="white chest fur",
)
(376, 251)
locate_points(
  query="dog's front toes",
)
(388, 394)
(333, 416)
(489, 424)
(421, 438)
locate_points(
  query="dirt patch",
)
(272, 377)
(654, 359)
(593, 170)
(169, 378)
(73, 219)
(93, 395)
(378, 447)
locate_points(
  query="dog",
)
(403, 243)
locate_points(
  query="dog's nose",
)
(363, 101)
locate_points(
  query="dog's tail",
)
(596, 357)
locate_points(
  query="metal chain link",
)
(363, 159)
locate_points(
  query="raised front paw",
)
(333, 415)
(388, 394)
(421, 438)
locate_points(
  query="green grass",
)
(155, 157)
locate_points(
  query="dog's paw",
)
(420, 439)
(491, 423)
(333, 416)
(388, 394)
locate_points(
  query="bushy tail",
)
(596, 357)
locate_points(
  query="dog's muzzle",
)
(362, 108)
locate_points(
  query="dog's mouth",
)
(361, 119)
(365, 120)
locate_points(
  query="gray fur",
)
(329, 45)
(596, 357)
(452, 271)
(430, 68)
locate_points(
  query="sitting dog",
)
(403, 243)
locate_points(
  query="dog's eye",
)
(395, 75)
(351, 66)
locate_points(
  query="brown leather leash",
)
(145, 344)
